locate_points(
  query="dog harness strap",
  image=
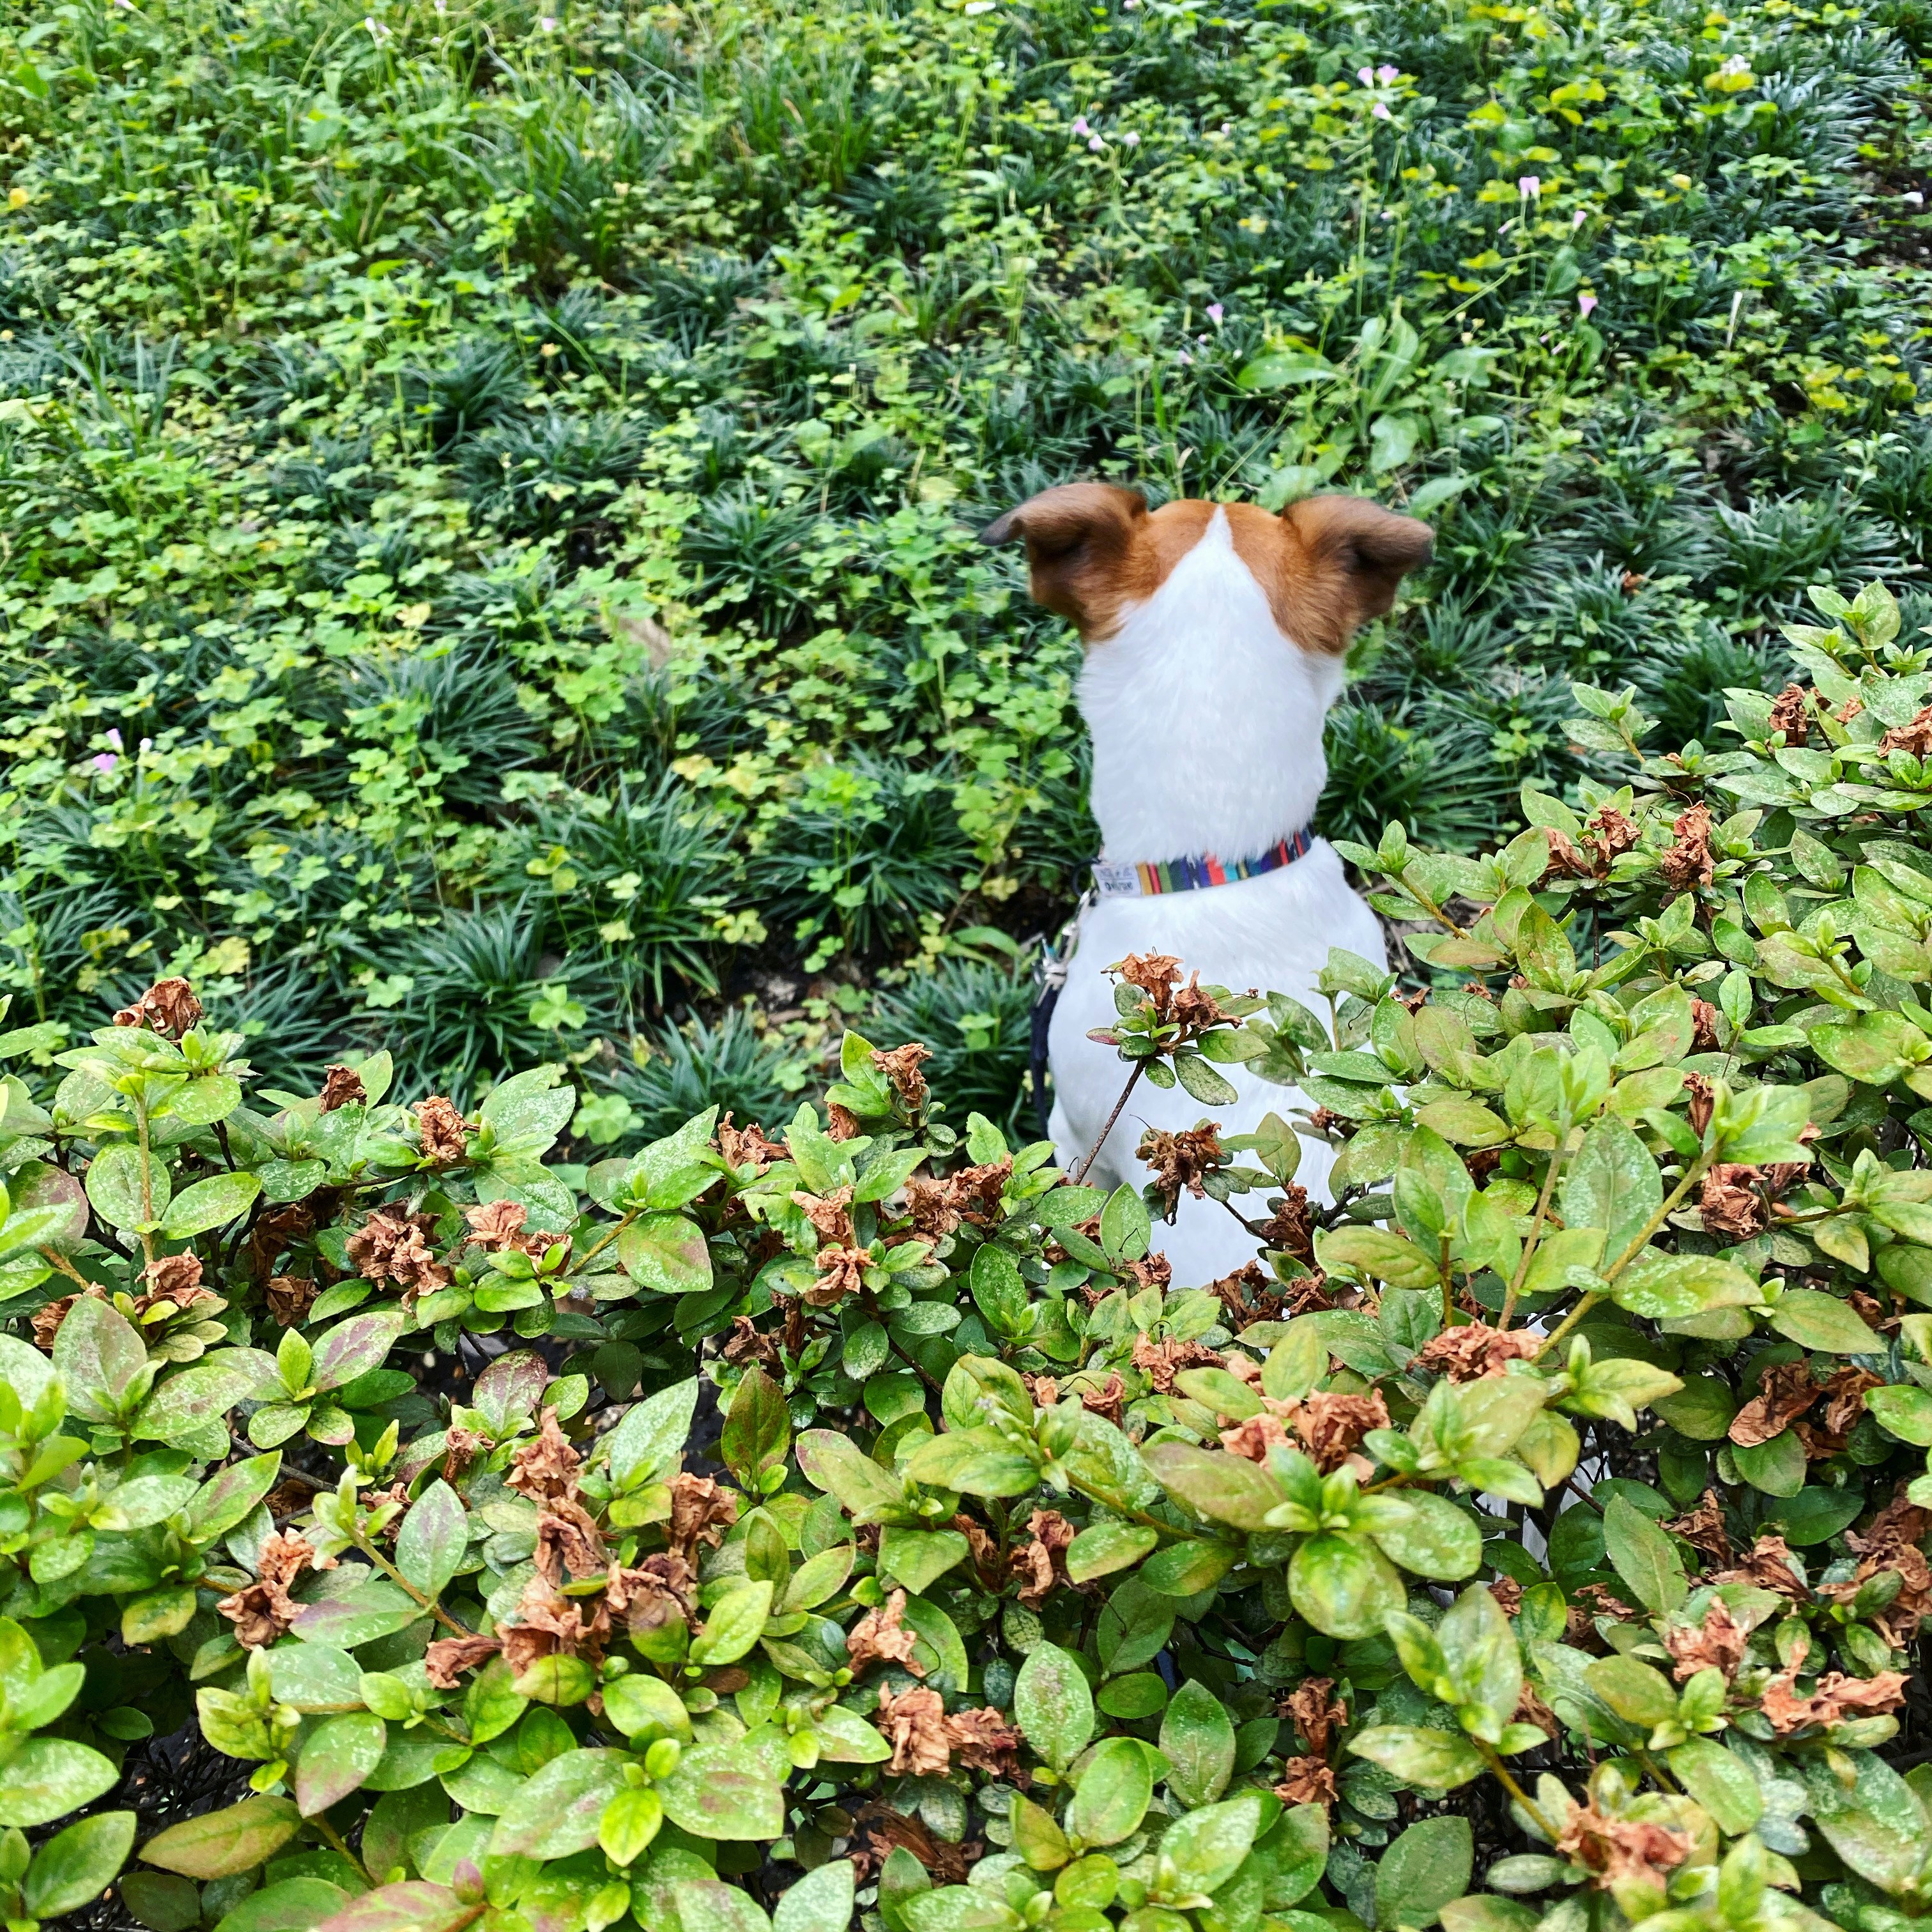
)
(1113, 881)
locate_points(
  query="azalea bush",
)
(848, 1518)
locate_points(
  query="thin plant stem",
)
(1093, 1152)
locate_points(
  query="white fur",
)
(1207, 729)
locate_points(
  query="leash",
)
(1132, 882)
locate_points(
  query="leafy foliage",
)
(489, 493)
(1535, 1532)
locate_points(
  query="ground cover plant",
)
(489, 494)
(1536, 1534)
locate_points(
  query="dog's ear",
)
(1080, 540)
(1371, 549)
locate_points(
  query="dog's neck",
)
(1206, 721)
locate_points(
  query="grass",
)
(487, 498)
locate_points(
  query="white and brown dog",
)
(1215, 636)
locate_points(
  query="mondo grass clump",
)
(416, 1515)
(490, 494)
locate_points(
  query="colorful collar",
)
(1189, 875)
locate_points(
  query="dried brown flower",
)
(169, 1007)
(174, 1278)
(448, 1658)
(1915, 736)
(879, 1637)
(1156, 973)
(1834, 1698)
(1308, 1780)
(342, 1087)
(1161, 1361)
(1316, 1712)
(982, 1740)
(1614, 1849)
(1612, 835)
(1041, 1562)
(748, 1146)
(1247, 1295)
(1331, 1425)
(1182, 1160)
(878, 1830)
(439, 1126)
(263, 1609)
(1691, 862)
(652, 1592)
(1785, 1392)
(545, 1469)
(546, 1623)
(1290, 1230)
(901, 1067)
(1474, 1351)
(1768, 1566)
(1702, 1103)
(1718, 1644)
(290, 1297)
(830, 1215)
(915, 1723)
(1508, 1593)
(1703, 1529)
(460, 1447)
(1791, 714)
(701, 1513)
(1704, 1018)
(1254, 1438)
(841, 1124)
(393, 1246)
(841, 1271)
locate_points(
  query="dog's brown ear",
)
(1373, 548)
(1080, 540)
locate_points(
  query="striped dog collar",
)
(1189, 875)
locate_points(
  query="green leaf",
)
(1435, 1539)
(98, 1352)
(821, 1901)
(1815, 1320)
(1426, 1867)
(1186, 1569)
(1229, 1489)
(1197, 1737)
(1112, 1797)
(998, 1291)
(1107, 1547)
(354, 1347)
(703, 1905)
(652, 1435)
(431, 1543)
(918, 1557)
(666, 1254)
(47, 1777)
(757, 1431)
(1644, 1557)
(113, 1183)
(1634, 1690)
(557, 1813)
(1776, 1467)
(1612, 1184)
(1125, 1226)
(1344, 1585)
(77, 1865)
(212, 1203)
(1671, 1288)
(712, 1794)
(1054, 1706)
(1720, 1781)
(1432, 1760)
(1208, 1846)
(218, 1844)
(414, 1906)
(337, 1759)
(1199, 1078)
(819, 1578)
(1902, 1411)
(294, 1905)
(733, 1624)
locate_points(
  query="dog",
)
(1214, 637)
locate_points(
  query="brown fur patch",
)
(1326, 565)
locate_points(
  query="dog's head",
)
(1327, 564)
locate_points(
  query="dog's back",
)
(1216, 636)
